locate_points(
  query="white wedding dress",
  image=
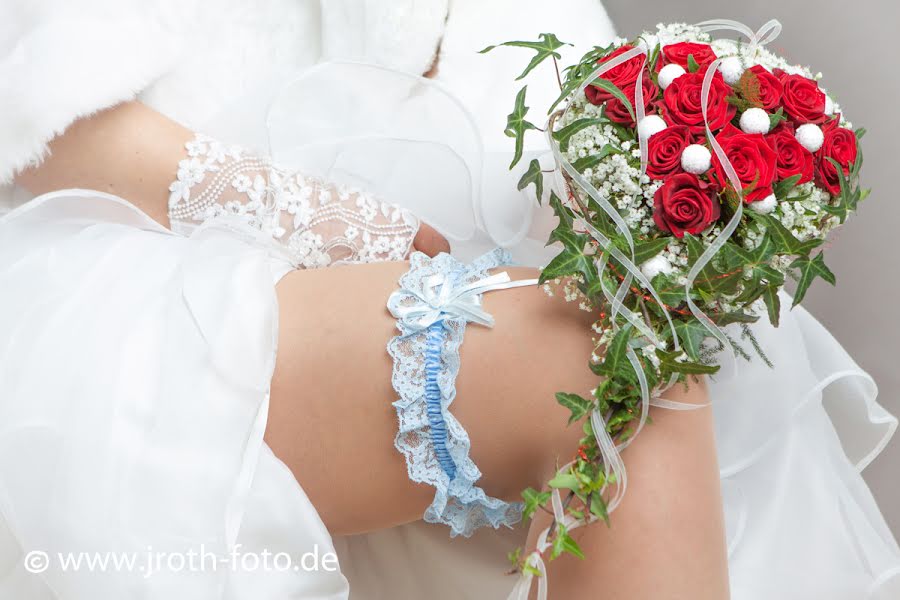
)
(134, 370)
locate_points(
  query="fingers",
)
(429, 241)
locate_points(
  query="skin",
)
(331, 420)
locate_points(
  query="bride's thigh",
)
(331, 419)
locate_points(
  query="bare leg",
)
(666, 540)
(332, 423)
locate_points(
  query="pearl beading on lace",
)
(426, 363)
(318, 223)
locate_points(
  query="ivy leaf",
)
(691, 333)
(572, 241)
(644, 251)
(785, 242)
(588, 162)
(563, 542)
(615, 360)
(516, 125)
(809, 270)
(563, 134)
(773, 304)
(565, 481)
(575, 403)
(546, 47)
(693, 65)
(785, 186)
(568, 262)
(560, 210)
(534, 500)
(533, 176)
(599, 508)
(610, 87)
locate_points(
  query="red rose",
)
(664, 151)
(802, 99)
(684, 204)
(753, 161)
(623, 76)
(792, 158)
(840, 145)
(682, 99)
(678, 54)
(617, 112)
(761, 88)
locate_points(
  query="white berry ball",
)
(656, 265)
(649, 125)
(829, 105)
(810, 136)
(731, 69)
(764, 206)
(696, 159)
(755, 120)
(668, 74)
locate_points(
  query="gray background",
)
(855, 45)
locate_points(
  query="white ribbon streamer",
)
(439, 300)
(610, 452)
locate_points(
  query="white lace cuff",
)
(319, 223)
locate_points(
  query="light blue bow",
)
(438, 300)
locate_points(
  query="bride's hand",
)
(429, 241)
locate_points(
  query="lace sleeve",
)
(318, 222)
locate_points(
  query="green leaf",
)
(785, 186)
(533, 176)
(516, 125)
(534, 500)
(610, 87)
(644, 251)
(785, 242)
(776, 118)
(546, 47)
(615, 359)
(575, 403)
(693, 65)
(564, 134)
(588, 162)
(599, 508)
(691, 333)
(809, 270)
(565, 481)
(563, 542)
(560, 210)
(773, 304)
(568, 262)
(572, 241)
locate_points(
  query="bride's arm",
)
(129, 150)
(132, 151)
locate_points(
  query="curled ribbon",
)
(610, 451)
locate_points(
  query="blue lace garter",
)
(436, 298)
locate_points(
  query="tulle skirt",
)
(134, 376)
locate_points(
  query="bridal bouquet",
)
(698, 175)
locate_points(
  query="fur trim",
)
(65, 69)
(400, 34)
